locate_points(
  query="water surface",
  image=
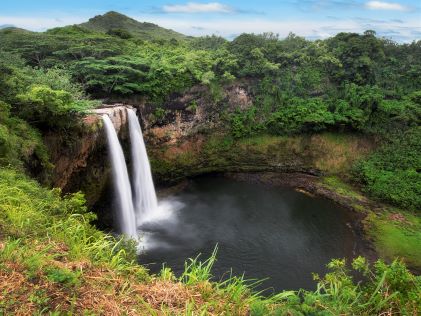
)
(261, 231)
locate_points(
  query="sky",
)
(313, 19)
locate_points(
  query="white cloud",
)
(308, 28)
(40, 24)
(194, 7)
(381, 5)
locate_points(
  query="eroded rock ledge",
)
(80, 158)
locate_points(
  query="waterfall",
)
(145, 201)
(121, 181)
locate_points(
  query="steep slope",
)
(117, 22)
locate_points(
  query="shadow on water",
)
(262, 231)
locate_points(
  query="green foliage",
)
(387, 288)
(346, 115)
(359, 55)
(13, 79)
(397, 235)
(289, 116)
(122, 33)
(192, 106)
(159, 114)
(118, 24)
(44, 98)
(196, 271)
(121, 75)
(62, 275)
(20, 144)
(390, 288)
(360, 108)
(393, 116)
(32, 213)
(351, 67)
(393, 173)
(415, 97)
(243, 123)
(207, 42)
(57, 79)
(43, 106)
(300, 116)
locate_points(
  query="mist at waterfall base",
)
(147, 209)
(261, 231)
(137, 204)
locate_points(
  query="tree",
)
(121, 74)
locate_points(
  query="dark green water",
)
(261, 231)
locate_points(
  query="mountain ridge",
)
(116, 23)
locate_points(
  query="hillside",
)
(114, 21)
(12, 29)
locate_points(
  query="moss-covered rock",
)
(80, 158)
(314, 154)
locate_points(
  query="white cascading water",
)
(127, 219)
(145, 201)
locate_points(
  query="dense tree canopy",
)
(350, 82)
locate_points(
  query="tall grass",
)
(31, 215)
(387, 290)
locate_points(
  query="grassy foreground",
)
(54, 262)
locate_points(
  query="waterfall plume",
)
(126, 214)
(145, 200)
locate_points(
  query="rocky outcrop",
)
(117, 113)
(197, 111)
(80, 157)
(310, 154)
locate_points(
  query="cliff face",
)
(190, 138)
(80, 158)
(197, 111)
(186, 136)
(310, 154)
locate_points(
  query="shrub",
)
(45, 107)
(20, 144)
(300, 115)
(393, 173)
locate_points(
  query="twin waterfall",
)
(143, 189)
(137, 203)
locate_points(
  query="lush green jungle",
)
(53, 260)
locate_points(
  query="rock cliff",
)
(186, 136)
(80, 158)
